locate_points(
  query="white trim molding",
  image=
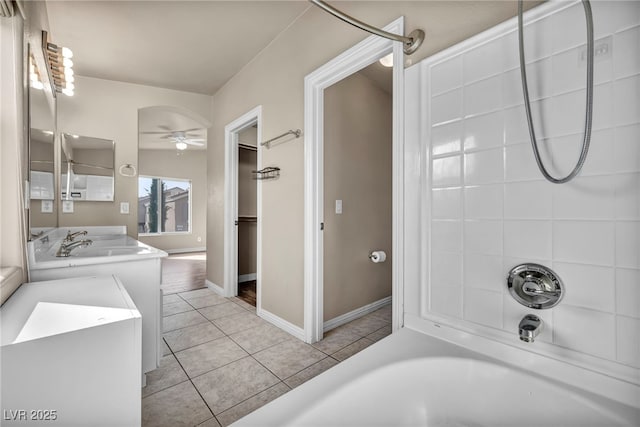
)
(246, 277)
(186, 250)
(231, 202)
(215, 288)
(289, 327)
(355, 314)
(347, 63)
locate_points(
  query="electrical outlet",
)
(46, 206)
(67, 206)
(124, 208)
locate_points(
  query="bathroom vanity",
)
(111, 252)
(71, 352)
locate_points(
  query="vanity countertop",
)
(109, 245)
(43, 309)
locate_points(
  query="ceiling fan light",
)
(387, 60)
(181, 145)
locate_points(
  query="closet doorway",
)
(247, 213)
(242, 225)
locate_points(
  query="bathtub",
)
(413, 379)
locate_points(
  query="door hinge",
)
(322, 226)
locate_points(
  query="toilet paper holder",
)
(378, 256)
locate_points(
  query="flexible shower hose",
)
(589, 101)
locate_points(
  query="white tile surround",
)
(486, 207)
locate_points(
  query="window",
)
(164, 205)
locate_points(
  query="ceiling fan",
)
(182, 138)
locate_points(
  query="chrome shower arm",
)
(411, 43)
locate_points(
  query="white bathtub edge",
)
(577, 376)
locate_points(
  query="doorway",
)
(353, 60)
(247, 213)
(242, 225)
(357, 186)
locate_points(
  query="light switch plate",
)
(124, 208)
(46, 206)
(338, 206)
(67, 206)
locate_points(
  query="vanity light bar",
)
(35, 81)
(59, 65)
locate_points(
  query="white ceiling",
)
(193, 46)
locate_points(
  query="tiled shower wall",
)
(488, 206)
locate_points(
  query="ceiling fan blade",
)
(190, 130)
(155, 133)
(193, 142)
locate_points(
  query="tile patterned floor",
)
(222, 362)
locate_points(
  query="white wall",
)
(109, 109)
(486, 207)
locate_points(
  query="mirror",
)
(42, 169)
(87, 168)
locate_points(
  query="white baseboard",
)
(185, 250)
(215, 288)
(353, 315)
(281, 323)
(246, 277)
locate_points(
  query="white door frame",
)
(231, 203)
(349, 62)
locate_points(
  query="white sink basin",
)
(109, 251)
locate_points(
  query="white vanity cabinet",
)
(70, 354)
(137, 266)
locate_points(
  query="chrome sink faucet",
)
(529, 328)
(66, 247)
(71, 236)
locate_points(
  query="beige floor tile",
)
(336, 339)
(177, 406)
(380, 333)
(366, 325)
(243, 304)
(175, 308)
(260, 337)
(182, 320)
(207, 300)
(188, 337)
(221, 310)
(248, 406)
(288, 357)
(225, 387)
(171, 298)
(168, 374)
(208, 356)
(211, 422)
(196, 294)
(384, 313)
(238, 322)
(312, 371)
(165, 349)
(352, 349)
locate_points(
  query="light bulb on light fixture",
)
(70, 86)
(67, 53)
(181, 145)
(68, 72)
(387, 61)
(67, 63)
(37, 84)
(69, 78)
(68, 92)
